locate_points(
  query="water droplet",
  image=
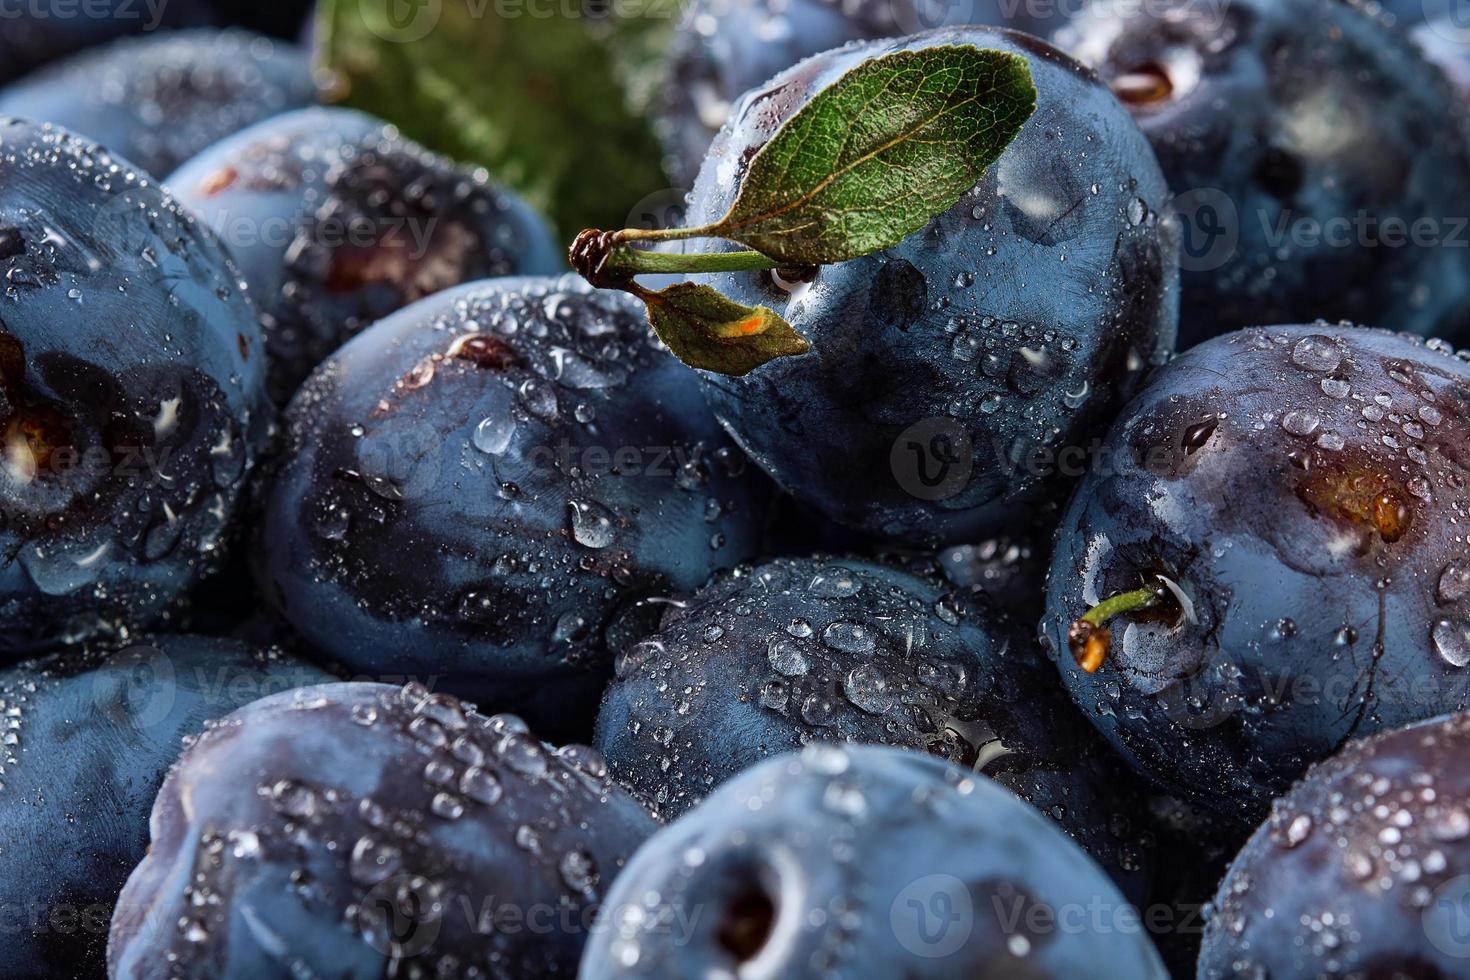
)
(849, 638)
(835, 584)
(866, 687)
(787, 658)
(1316, 353)
(493, 434)
(592, 524)
(1454, 583)
(578, 870)
(1301, 422)
(1451, 638)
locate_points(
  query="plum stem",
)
(633, 261)
(1089, 637)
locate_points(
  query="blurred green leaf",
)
(547, 95)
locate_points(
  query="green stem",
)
(637, 262)
(1128, 602)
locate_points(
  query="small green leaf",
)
(875, 156)
(550, 101)
(706, 330)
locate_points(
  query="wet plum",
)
(1322, 166)
(363, 831)
(954, 380)
(789, 652)
(39, 31)
(862, 861)
(88, 736)
(1362, 870)
(495, 489)
(159, 100)
(132, 393)
(1284, 521)
(338, 221)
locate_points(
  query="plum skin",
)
(159, 100)
(1021, 318)
(1361, 869)
(820, 860)
(351, 830)
(1303, 488)
(783, 653)
(91, 733)
(133, 373)
(338, 221)
(1319, 142)
(455, 503)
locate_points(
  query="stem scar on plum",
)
(1148, 84)
(1089, 637)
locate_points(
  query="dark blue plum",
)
(337, 221)
(132, 393)
(89, 735)
(495, 489)
(1322, 166)
(1363, 870)
(159, 100)
(788, 652)
(1297, 498)
(954, 380)
(857, 862)
(1009, 570)
(724, 48)
(38, 31)
(358, 831)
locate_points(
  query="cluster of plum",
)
(380, 599)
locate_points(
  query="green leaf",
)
(549, 105)
(706, 330)
(874, 157)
